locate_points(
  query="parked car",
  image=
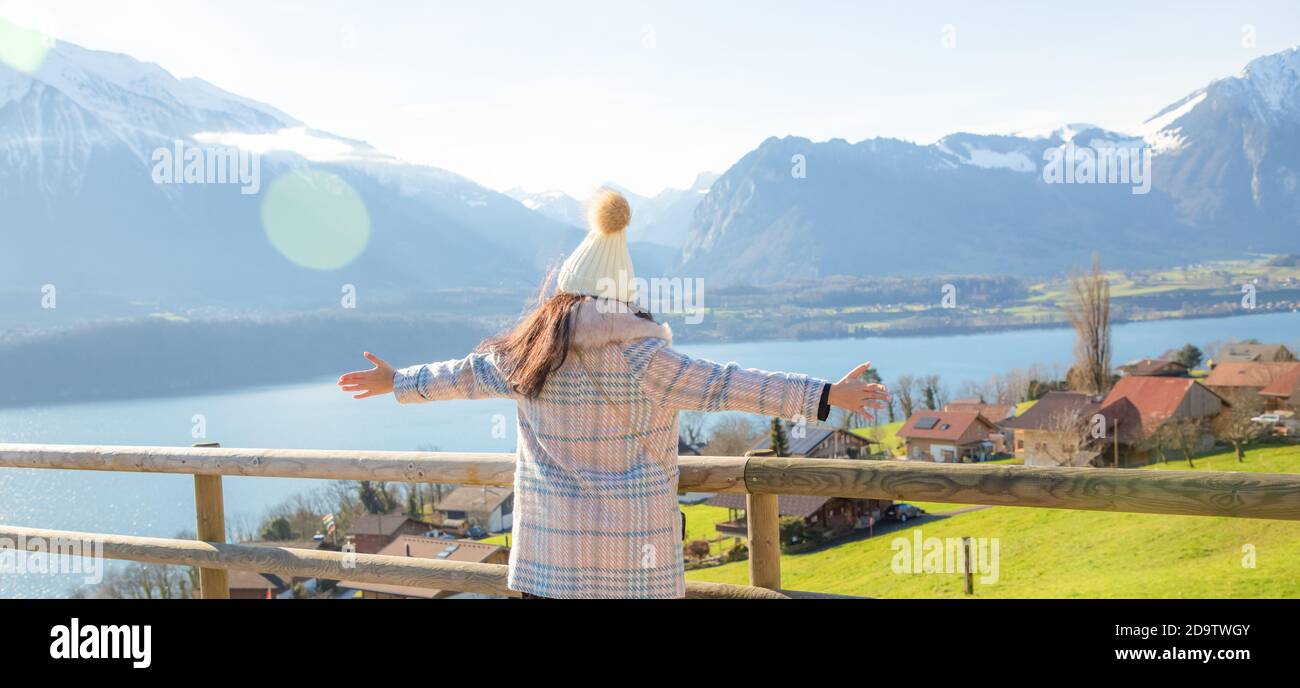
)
(902, 512)
(477, 533)
(1267, 419)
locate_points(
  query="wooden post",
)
(764, 541)
(210, 512)
(969, 566)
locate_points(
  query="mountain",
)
(1229, 154)
(1222, 183)
(80, 140)
(663, 219)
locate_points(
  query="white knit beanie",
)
(601, 265)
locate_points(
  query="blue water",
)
(316, 415)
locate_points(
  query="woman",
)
(598, 388)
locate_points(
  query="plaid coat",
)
(596, 511)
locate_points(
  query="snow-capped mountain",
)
(662, 219)
(1222, 182)
(80, 138)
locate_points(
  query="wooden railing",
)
(1197, 493)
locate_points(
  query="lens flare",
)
(21, 48)
(315, 219)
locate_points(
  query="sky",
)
(568, 95)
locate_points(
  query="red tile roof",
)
(963, 427)
(1156, 398)
(1284, 385)
(1247, 374)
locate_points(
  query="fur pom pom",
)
(608, 212)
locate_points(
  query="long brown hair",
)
(529, 352)
(537, 346)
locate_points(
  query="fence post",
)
(764, 521)
(968, 565)
(210, 513)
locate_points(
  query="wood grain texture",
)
(1194, 493)
(1202, 493)
(210, 525)
(371, 568)
(762, 513)
(698, 473)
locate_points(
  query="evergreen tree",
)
(779, 445)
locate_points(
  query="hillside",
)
(1049, 553)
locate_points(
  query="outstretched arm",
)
(673, 379)
(474, 377)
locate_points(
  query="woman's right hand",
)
(369, 383)
(852, 393)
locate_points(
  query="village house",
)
(948, 436)
(372, 532)
(1245, 380)
(427, 548)
(819, 442)
(1154, 367)
(1254, 353)
(266, 586)
(834, 515)
(1283, 393)
(994, 413)
(1073, 429)
(1159, 400)
(248, 585)
(489, 508)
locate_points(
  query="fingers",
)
(365, 395)
(379, 362)
(858, 371)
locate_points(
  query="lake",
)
(316, 415)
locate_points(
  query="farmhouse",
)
(1154, 367)
(819, 442)
(948, 436)
(832, 514)
(1283, 393)
(994, 413)
(1228, 379)
(489, 508)
(1254, 353)
(1159, 400)
(247, 585)
(428, 548)
(373, 532)
(1073, 429)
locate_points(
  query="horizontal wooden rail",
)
(1195, 493)
(1192, 493)
(367, 568)
(699, 474)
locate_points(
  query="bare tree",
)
(1236, 426)
(1185, 435)
(732, 436)
(692, 424)
(903, 388)
(1070, 433)
(932, 390)
(1088, 311)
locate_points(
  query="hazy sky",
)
(569, 94)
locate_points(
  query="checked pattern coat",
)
(596, 512)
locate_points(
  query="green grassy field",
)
(1060, 553)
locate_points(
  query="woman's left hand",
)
(369, 383)
(852, 393)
